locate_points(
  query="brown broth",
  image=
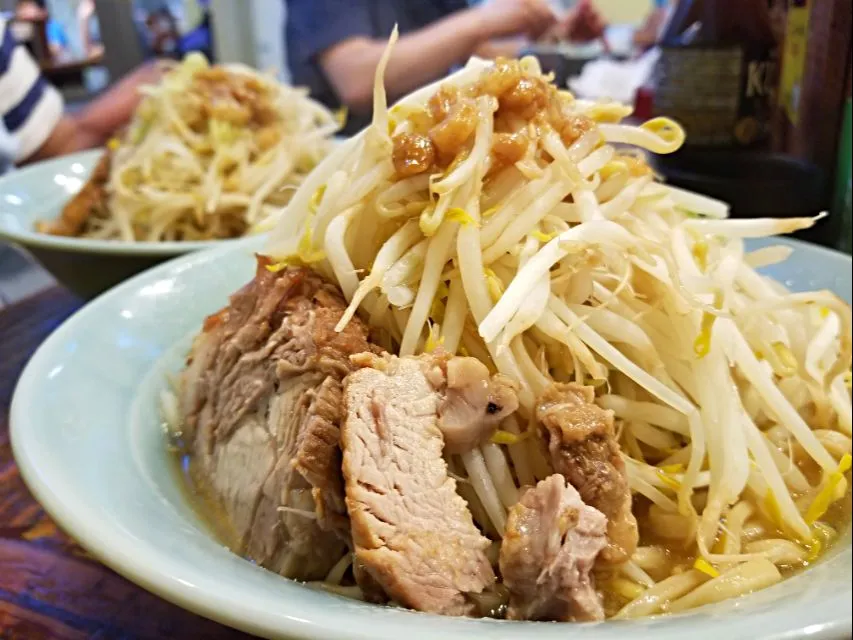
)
(203, 505)
(680, 557)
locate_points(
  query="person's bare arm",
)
(57, 51)
(501, 48)
(582, 24)
(419, 56)
(85, 11)
(94, 125)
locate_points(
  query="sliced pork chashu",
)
(550, 545)
(261, 406)
(412, 533)
(582, 445)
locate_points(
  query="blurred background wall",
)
(624, 12)
(252, 32)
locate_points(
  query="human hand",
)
(647, 35)
(582, 24)
(502, 18)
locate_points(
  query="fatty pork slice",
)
(261, 406)
(412, 533)
(550, 545)
(473, 402)
(582, 444)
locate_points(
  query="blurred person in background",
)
(199, 35)
(34, 125)
(162, 34)
(57, 39)
(650, 31)
(90, 32)
(334, 46)
(580, 22)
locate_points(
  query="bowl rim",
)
(110, 546)
(37, 240)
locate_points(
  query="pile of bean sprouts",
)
(731, 393)
(217, 176)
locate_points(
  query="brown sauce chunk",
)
(413, 154)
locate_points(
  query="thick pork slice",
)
(551, 541)
(582, 444)
(261, 406)
(412, 532)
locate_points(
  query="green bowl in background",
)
(87, 267)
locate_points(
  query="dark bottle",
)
(717, 73)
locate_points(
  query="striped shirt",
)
(30, 107)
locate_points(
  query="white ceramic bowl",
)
(87, 267)
(87, 435)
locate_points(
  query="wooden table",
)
(49, 586)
